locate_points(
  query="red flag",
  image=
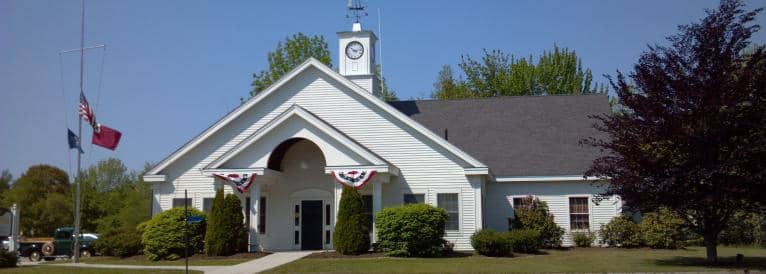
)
(106, 137)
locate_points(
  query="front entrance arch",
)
(306, 194)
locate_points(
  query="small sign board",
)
(194, 219)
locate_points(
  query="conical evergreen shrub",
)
(214, 244)
(226, 232)
(235, 233)
(352, 233)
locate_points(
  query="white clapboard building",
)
(315, 126)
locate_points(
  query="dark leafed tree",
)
(690, 132)
(496, 73)
(294, 51)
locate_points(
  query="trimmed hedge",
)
(663, 229)
(524, 240)
(534, 215)
(163, 235)
(352, 232)
(583, 239)
(621, 231)
(411, 230)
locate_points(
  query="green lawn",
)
(195, 262)
(50, 269)
(575, 260)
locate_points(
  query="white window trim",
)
(423, 191)
(590, 212)
(191, 197)
(459, 209)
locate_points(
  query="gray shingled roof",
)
(516, 136)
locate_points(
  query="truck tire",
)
(35, 256)
(49, 249)
(85, 254)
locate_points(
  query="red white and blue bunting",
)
(353, 178)
(240, 181)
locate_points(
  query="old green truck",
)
(60, 246)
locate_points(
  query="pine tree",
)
(352, 233)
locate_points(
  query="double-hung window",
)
(179, 202)
(578, 213)
(414, 198)
(449, 202)
(207, 205)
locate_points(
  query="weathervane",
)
(356, 9)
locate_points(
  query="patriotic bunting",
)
(241, 181)
(353, 178)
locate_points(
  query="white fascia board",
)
(211, 171)
(476, 171)
(296, 110)
(378, 168)
(558, 178)
(154, 178)
(281, 82)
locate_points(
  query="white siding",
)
(423, 164)
(556, 194)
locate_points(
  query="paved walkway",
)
(262, 263)
(254, 266)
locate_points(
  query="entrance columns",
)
(255, 200)
(377, 200)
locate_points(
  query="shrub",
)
(214, 233)
(662, 229)
(524, 240)
(621, 231)
(226, 233)
(352, 231)
(583, 239)
(163, 235)
(8, 259)
(534, 215)
(744, 229)
(411, 230)
(491, 243)
(236, 224)
(120, 242)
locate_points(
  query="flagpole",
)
(76, 252)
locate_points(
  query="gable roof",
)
(297, 111)
(310, 63)
(517, 136)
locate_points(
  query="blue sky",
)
(172, 68)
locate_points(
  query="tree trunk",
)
(711, 242)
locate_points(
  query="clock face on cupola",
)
(354, 50)
(357, 51)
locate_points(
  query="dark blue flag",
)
(73, 140)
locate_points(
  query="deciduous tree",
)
(497, 73)
(690, 133)
(288, 55)
(42, 194)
